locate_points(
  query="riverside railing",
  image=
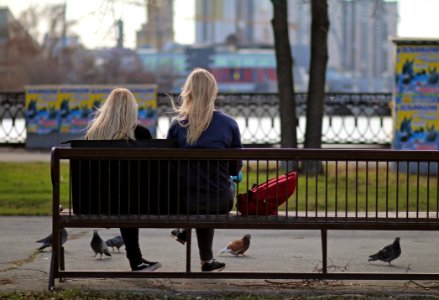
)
(349, 118)
(12, 118)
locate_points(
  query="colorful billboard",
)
(98, 94)
(146, 96)
(416, 95)
(42, 109)
(67, 109)
(75, 108)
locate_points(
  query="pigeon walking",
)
(388, 253)
(238, 247)
(98, 245)
(117, 242)
(47, 241)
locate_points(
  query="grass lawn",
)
(25, 189)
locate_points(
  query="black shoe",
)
(146, 266)
(213, 265)
(179, 235)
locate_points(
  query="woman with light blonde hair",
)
(198, 103)
(208, 189)
(116, 119)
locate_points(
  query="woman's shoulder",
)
(142, 133)
(221, 114)
(223, 117)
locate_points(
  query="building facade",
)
(247, 20)
(159, 28)
(358, 40)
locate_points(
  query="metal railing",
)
(349, 118)
(12, 118)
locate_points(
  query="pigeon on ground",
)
(388, 253)
(117, 242)
(47, 241)
(98, 245)
(237, 247)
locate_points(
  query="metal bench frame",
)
(322, 220)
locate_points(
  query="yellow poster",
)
(417, 96)
(146, 96)
(69, 108)
(98, 95)
(42, 109)
(75, 108)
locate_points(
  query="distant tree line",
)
(60, 58)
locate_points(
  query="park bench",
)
(355, 189)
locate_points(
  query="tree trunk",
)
(317, 73)
(284, 70)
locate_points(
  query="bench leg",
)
(188, 249)
(324, 234)
(53, 259)
(61, 262)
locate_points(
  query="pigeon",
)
(388, 253)
(237, 247)
(98, 245)
(117, 242)
(47, 241)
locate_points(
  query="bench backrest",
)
(114, 186)
(364, 186)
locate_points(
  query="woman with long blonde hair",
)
(116, 119)
(208, 189)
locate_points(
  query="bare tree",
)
(284, 69)
(30, 20)
(55, 62)
(317, 71)
(17, 50)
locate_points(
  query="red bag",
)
(264, 199)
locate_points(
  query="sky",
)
(95, 18)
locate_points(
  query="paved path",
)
(24, 268)
(23, 155)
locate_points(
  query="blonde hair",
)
(198, 103)
(116, 119)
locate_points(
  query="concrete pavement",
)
(23, 155)
(25, 269)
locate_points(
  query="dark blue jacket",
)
(207, 180)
